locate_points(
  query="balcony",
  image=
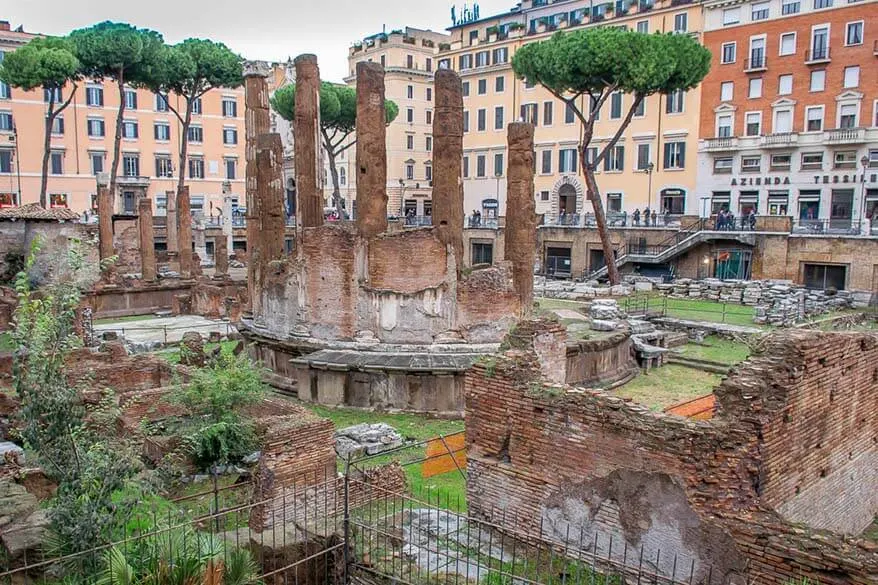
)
(720, 144)
(132, 181)
(845, 136)
(817, 55)
(779, 140)
(755, 63)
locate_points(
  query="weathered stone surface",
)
(448, 212)
(221, 256)
(257, 121)
(604, 325)
(367, 439)
(147, 239)
(192, 349)
(171, 226)
(270, 193)
(605, 309)
(184, 231)
(310, 198)
(521, 235)
(371, 150)
(105, 221)
(10, 453)
(25, 537)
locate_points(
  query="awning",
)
(809, 197)
(721, 197)
(778, 195)
(672, 193)
(490, 204)
(748, 198)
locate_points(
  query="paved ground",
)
(569, 314)
(164, 329)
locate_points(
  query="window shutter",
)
(620, 159)
(667, 155)
(682, 154)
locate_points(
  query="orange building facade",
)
(789, 113)
(82, 145)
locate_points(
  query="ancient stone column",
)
(147, 239)
(105, 219)
(184, 232)
(221, 257)
(371, 150)
(309, 206)
(270, 193)
(257, 120)
(171, 226)
(447, 160)
(521, 224)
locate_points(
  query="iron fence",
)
(170, 334)
(699, 310)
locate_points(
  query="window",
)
(196, 106)
(428, 117)
(428, 172)
(787, 44)
(780, 162)
(759, 11)
(751, 164)
(483, 87)
(161, 104)
(674, 102)
(466, 167)
(428, 143)
(643, 26)
(790, 7)
(230, 108)
(501, 55)
(94, 96)
(724, 126)
(56, 161)
(854, 33)
(58, 125)
(640, 110)
(342, 174)
(753, 124)
(58, 200)
(812, 161)
(615, 159)
(544, 195)
(785, 84)
(643, 156)
(818, 80)
(814, 118)
(230, 136)
(614, 202)
(52, 95)
(757, 52)
(852, 76)
(755, 88)
(97, 162)
(675, 155)
(822, 4)
(547, 113)
(6, 121)
(824, 276)
(731, 16)
(465, 121)
(729, 51)
(845, 159)
(726, 91)
(410, 115)
(162, 132)
(681, 22)
(873, 158)
(429, 64)
(465, 88)
(429, 94)
(483, 253)
(130, 99)
(232, 170)
(595, 113)
(95, 127)
(409, 61)
(481, 120)
(465, 62)
(783, 121)
(498, 164)
(847, 116)
(196, 168)
(131, 165)
(546, 167)
(591, 155)
(498, 118)
(569, 114)
(163, 166)
(722, 166)
(410, 142)
(444, 63)
(616, 105)
(499, 84)
(5, 92)
(529, 113)
(567, 160)
(5, 160)
(483, 59)
(410, 91)
(129, 129)
(196, 134)
(480, 165)
(819, 43)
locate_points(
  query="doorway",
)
(566, 199)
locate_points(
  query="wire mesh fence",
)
(693, 310)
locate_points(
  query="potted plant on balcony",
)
(428, 43)
(444, 47)
(515, 30)
(492, 33)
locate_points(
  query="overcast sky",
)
(257, 29)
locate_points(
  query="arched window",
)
(342, 176)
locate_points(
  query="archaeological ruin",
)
(359, 314)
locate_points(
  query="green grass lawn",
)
(172, 355)
(546, 303)
(701, 310)
(717, 349)
(668, 385)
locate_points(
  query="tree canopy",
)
(47, 62)
(193, 67)
(110, 49)
(338, 106)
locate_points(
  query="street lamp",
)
(865, 162)
(648, 170)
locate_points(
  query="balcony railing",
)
(721, 143)
(779, 139)
(839, 226)
(817, 55)
(418, 220)
(846, 136)
(756, 63)
(480, 222)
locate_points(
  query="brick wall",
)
(583, 462)
(407, 261)
(487, 304)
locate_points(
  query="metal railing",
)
(480, 221)
(418, 220)
(817, 54)
(170, 334)
(827, 226)
(614, 219)
(700, 310)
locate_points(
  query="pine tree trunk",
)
(184, 146)
(117, 141)
(47, 151)
(594, 196)
(336, 192)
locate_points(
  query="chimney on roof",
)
(4, 25)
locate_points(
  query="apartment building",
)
(789, 112)
(82, 145)
(409, 60)
(652, 165)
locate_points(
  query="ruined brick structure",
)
(521, 219)
(105, 220)
(184, 231)
(386, 304)
(147, 244)
(793, 443)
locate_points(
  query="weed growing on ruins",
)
(668, 385)
(717, 349)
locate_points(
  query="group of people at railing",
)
(725, 221)
(646, 218)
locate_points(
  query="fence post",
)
(165, 331)
(347, 518)
(215, 501)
